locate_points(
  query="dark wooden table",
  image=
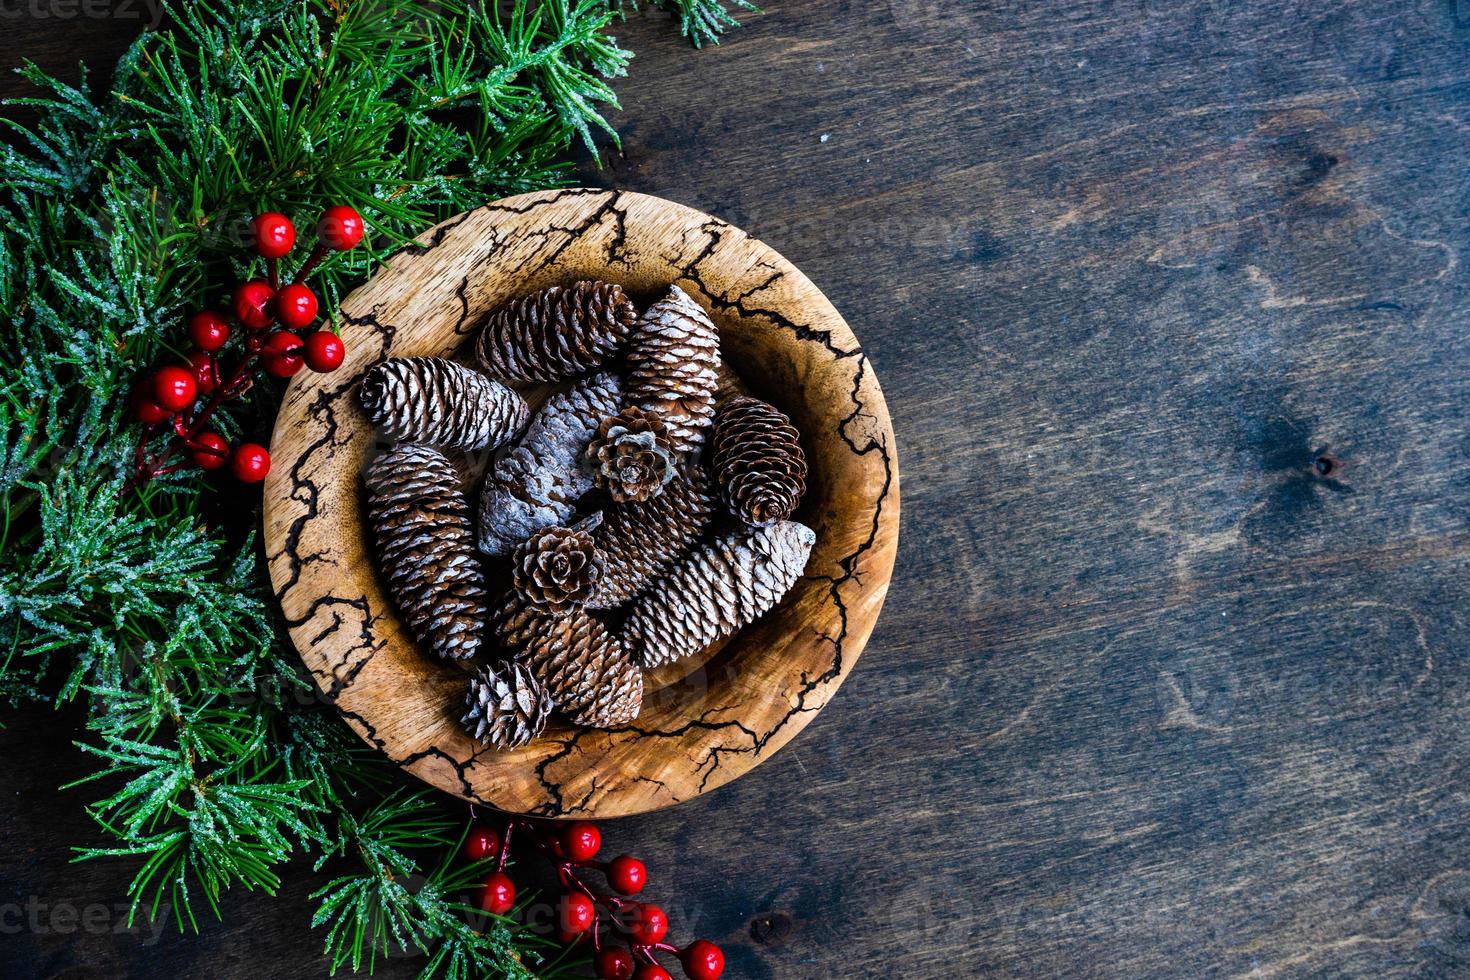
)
(1169, 304)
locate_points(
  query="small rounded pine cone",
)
(556, 568)
(757, 460)
(506, 706)
(431, 401)
(631, 456)
(557, 333)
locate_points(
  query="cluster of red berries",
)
(276, 320)
(582, 913)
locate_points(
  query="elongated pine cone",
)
(506, 706)
(757, 458)
(556, 567)
(421, 523)
(556, 333)
(672, 357)
(537, 483)
(719, 589)
(435, 402)
(638, 541)
(631, 456)
(586, 668)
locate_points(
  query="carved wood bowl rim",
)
(717, 717)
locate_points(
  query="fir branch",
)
(701, 21)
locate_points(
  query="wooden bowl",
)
(705, 721)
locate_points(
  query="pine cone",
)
(421, 522)
(586, 668)
(757, 459)
(436, 402)
(507, 706)
(556, 333)
(631, 455)
(556, 568)
(536, 484)
(672, 357)
(717, 590)
(637, 541)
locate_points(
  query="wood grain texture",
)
(1158, 699)
(704, 721)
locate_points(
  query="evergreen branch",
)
(701, 21)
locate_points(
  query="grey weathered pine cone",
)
(756, 456)
(431, 401)
(587, 669)
(672, 359)
(536, 483)
(421, 524)
(631, 456)
(638, 541)
(556, 567)
(506, 707)
(719, 589)
(556, 333)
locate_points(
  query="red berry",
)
(324, 351)
(626, 875)
(652, 971)
(282, 354)
(481, 844)
(340, 227)
(499, 894)
(575, 912)
(649, 925)
(254, 304)
(274, 234)
(145, 409)
(614, 963)
(208, 330)
(703, 960)
(210, 451)
(581, 841)
(296, 305)
(205, 376)
(174, 388)
(250, 463)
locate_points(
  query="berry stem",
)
(312, 261)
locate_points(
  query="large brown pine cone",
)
(631, 455)
(757, 459)
(421, 523)
(672, 357)
(586, 668)
(432, 401)
(716, 591)
(536, 484)
(506, 706)
(556, 568)
(637, 541)
(556, 333)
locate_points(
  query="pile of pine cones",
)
(641, 514)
